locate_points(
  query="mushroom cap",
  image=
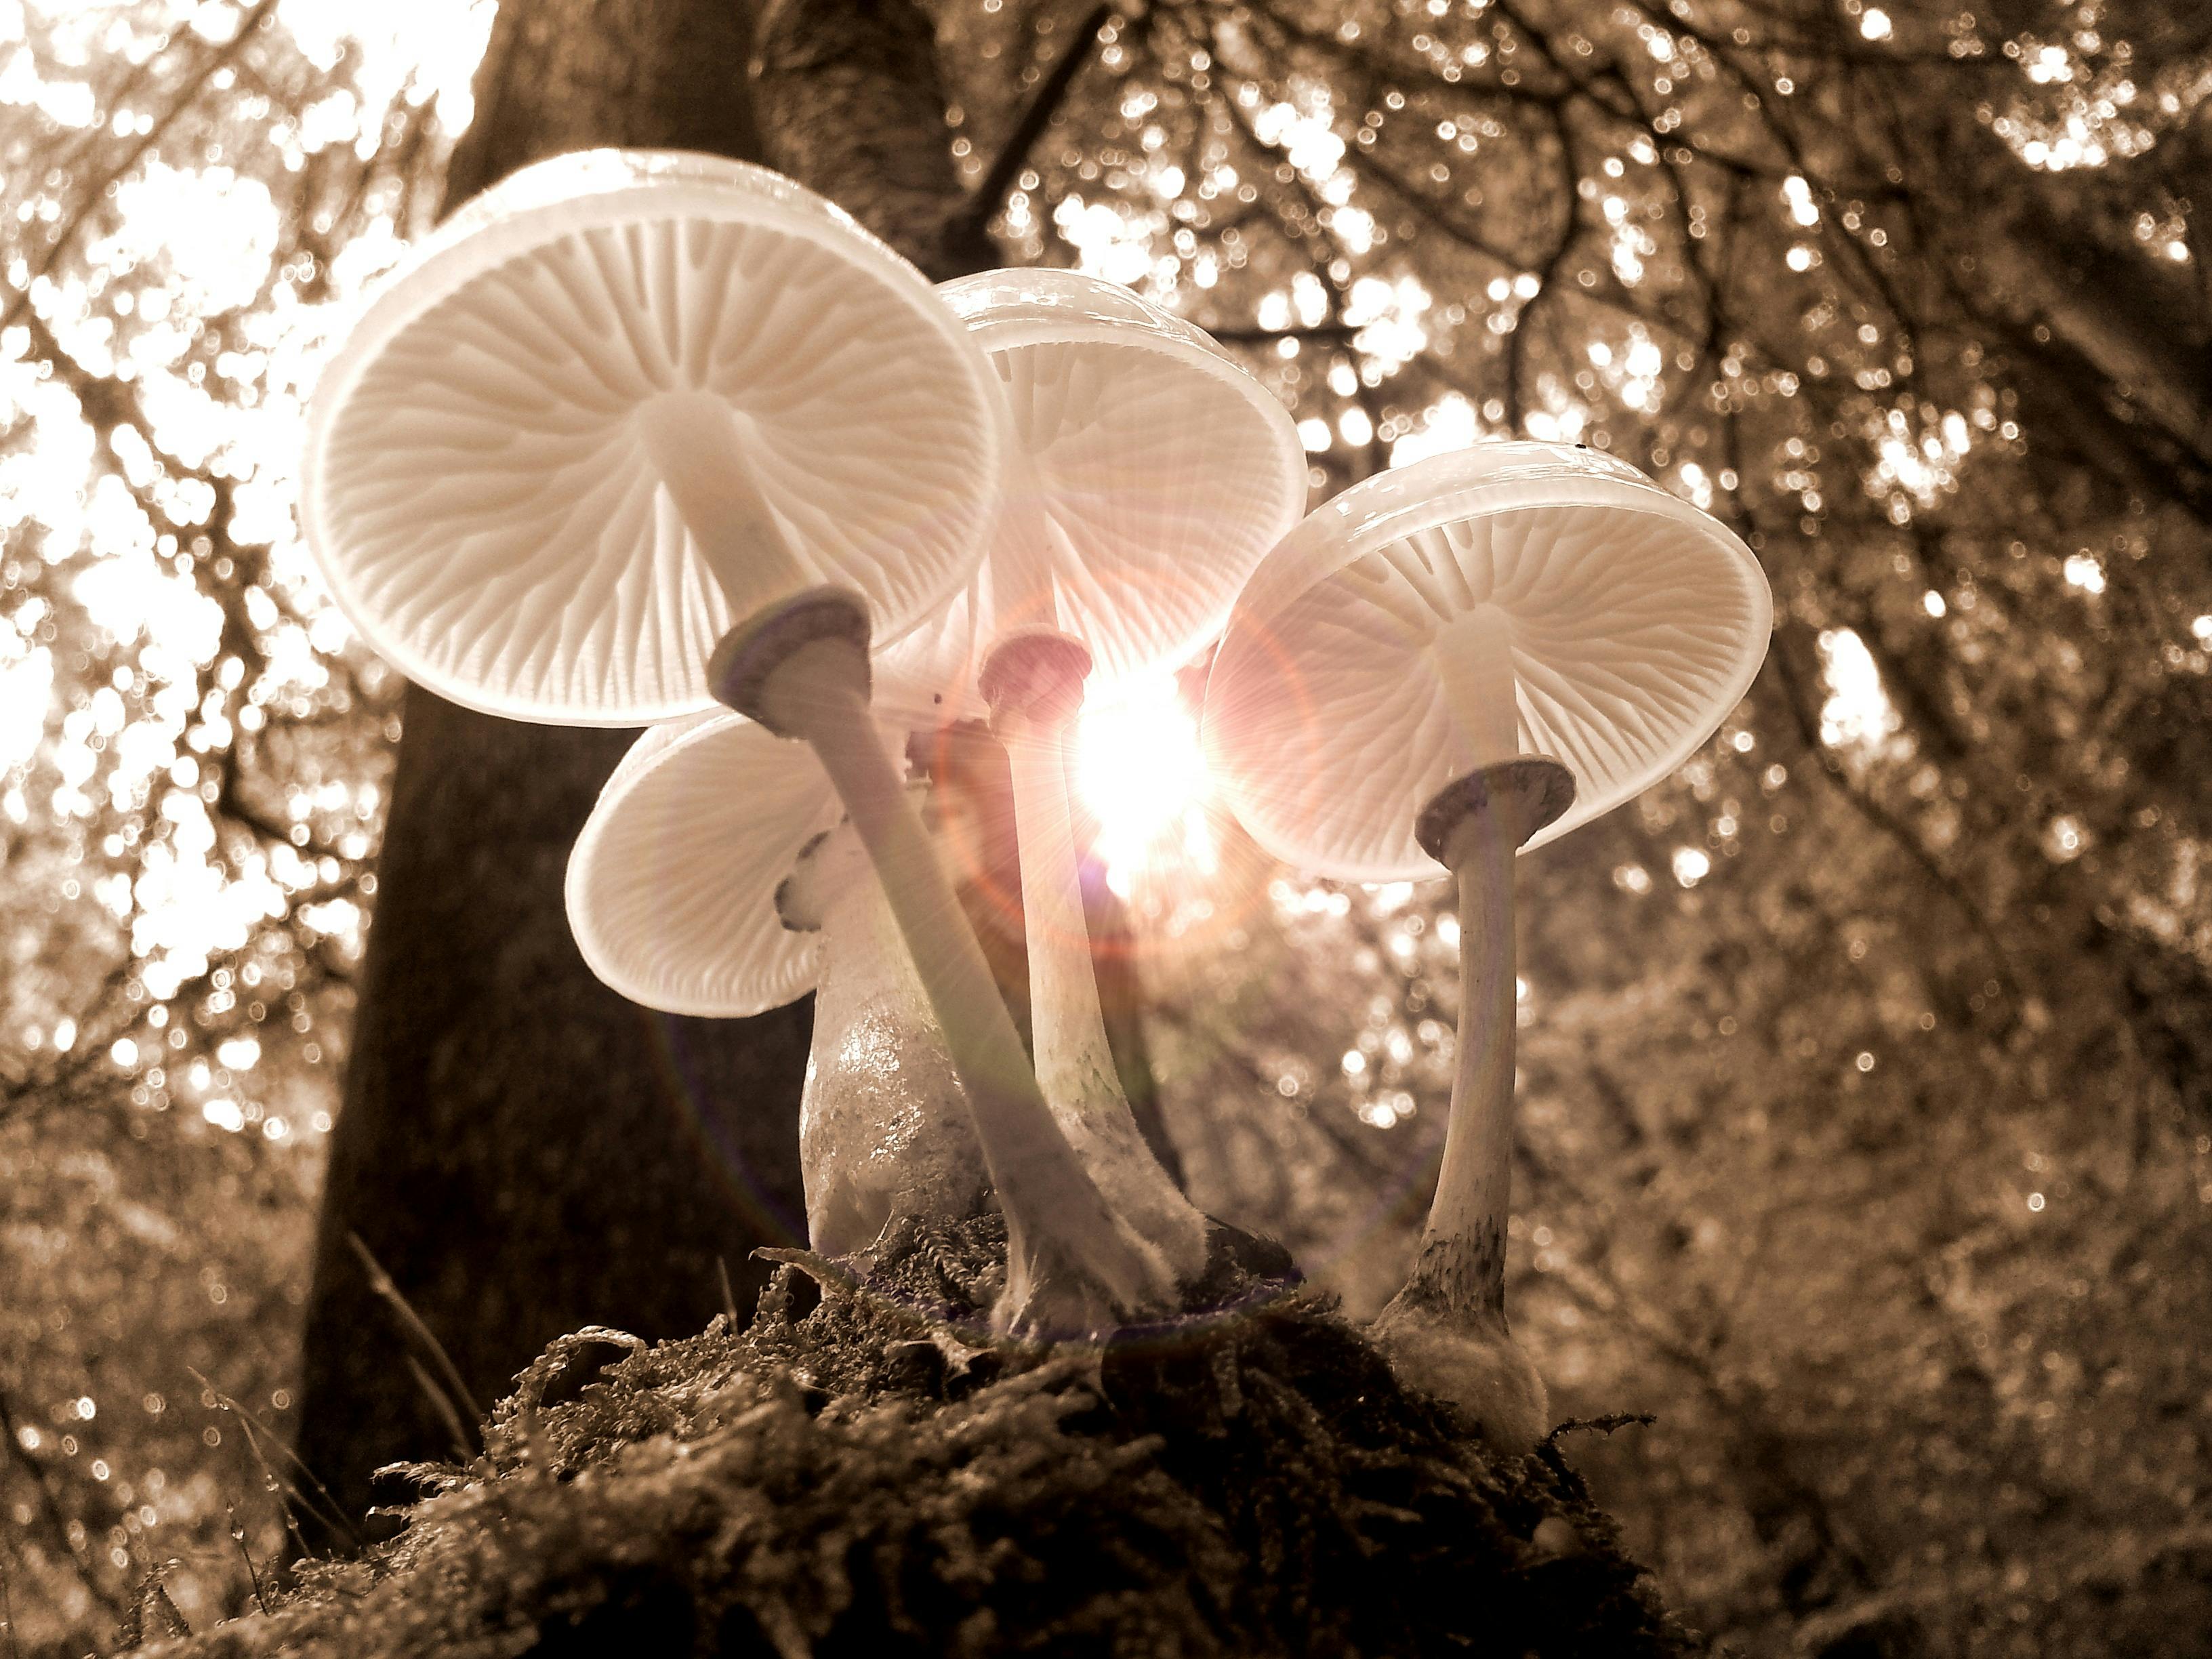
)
(672, 887)
(476, 482)
(1147, 474)
(1636, 623)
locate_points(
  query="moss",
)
(862, 1472)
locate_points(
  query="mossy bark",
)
(864, 1472)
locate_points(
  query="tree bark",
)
(522, 1151)
(851, 105)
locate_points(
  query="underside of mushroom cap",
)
(1147, 474)
(1635, 623)
(671, 886)
(480, 483)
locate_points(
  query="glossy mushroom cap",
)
(1147, 473)
(672, 887)
(1340, 703)
(486, 481)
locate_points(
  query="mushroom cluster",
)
(637, 433)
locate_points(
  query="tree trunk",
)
(521, 1149)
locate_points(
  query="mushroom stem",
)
(1474, 660)
(800, 668)
(1446, 1330)
(695, 444)
(884, 1131)
(1462, 1258)
(1033, 682)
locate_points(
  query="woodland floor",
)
(861, 1471)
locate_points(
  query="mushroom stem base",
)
(1471, 1360)
(884, 1127)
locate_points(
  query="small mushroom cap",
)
(1147, 474)
(1635, 623)
(477, 481)
(671, 886)
(826, 869)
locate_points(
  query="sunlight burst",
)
(1140, 771)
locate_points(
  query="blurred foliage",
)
(191, 755)
(1866, 1102)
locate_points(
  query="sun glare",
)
(1140, 770)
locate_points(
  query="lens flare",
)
(1141, 772)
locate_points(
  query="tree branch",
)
(1332, 333)
(990, 197)
(49, 1506)
(95, 191)
(1799, 701)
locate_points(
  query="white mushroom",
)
(1455, 660)
(623, 400)
(627, 399)
(1147, 474)
(682, 905)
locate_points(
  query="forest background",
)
(1866, 1064)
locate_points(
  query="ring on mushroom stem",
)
(801, 670)
(1398, 672)
(1146, 475)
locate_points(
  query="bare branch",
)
(50, 1507)
(998, 185)
(96, 191)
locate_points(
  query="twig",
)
(96, 190)
(380, 1282)
(1605, 1424)
(7, 1613)
(282, 1488)
(729, 1296)
(1255, 336)
(51, 1507)
(1833, 769)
